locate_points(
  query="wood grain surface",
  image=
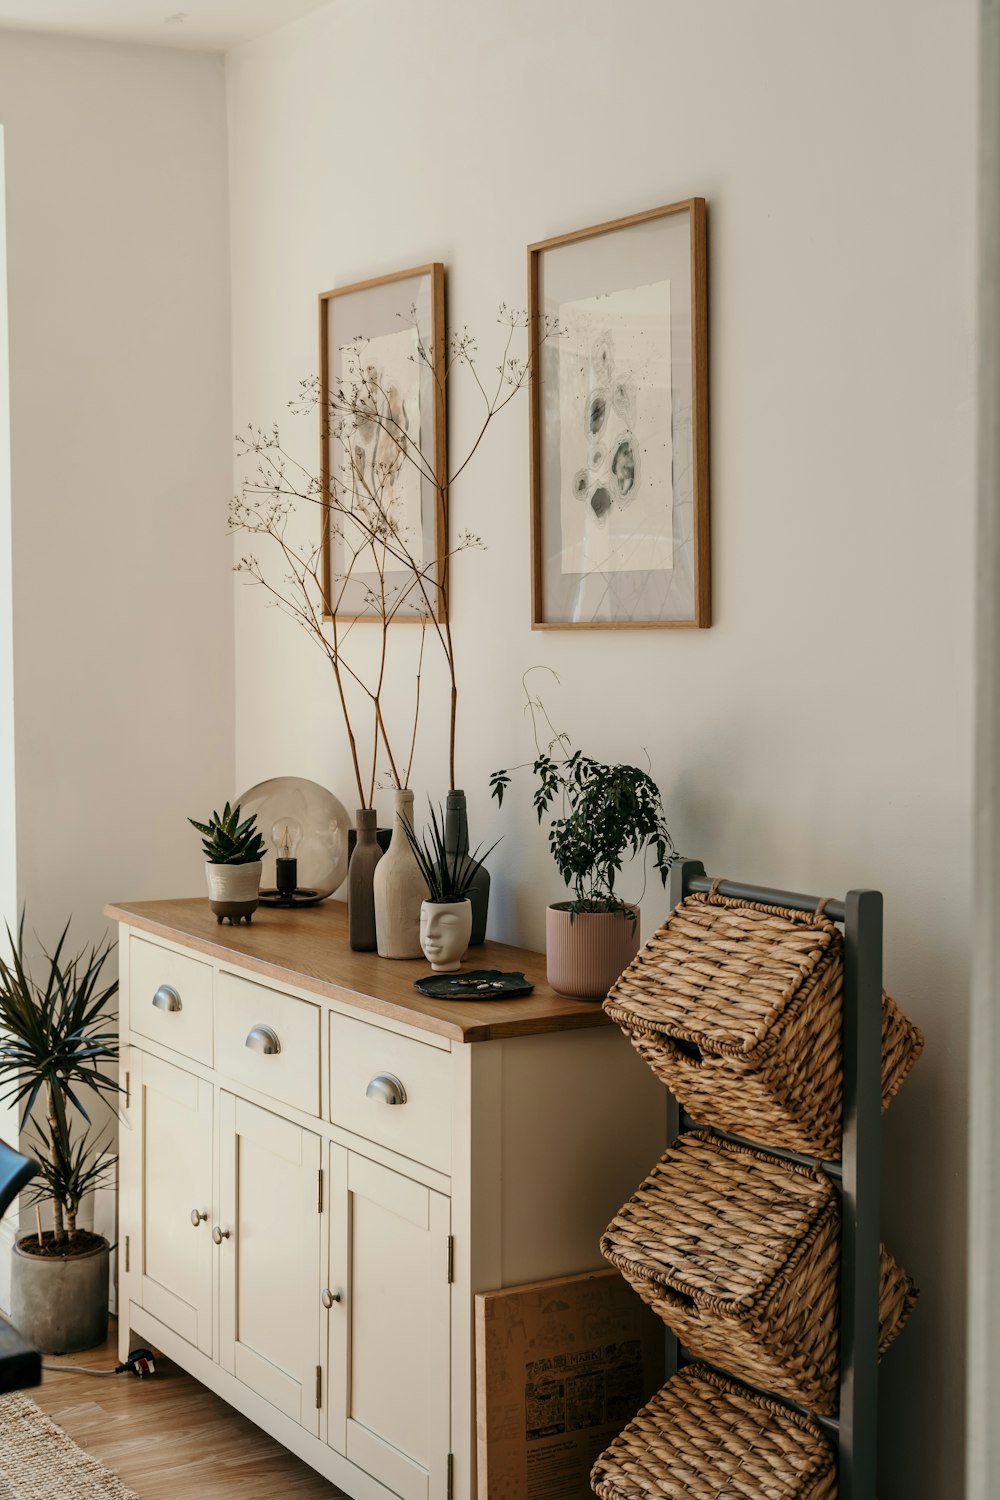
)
(170, 1438)
(309, 948)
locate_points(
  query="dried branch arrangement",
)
(360, 511)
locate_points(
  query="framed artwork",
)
(619, 423)
(383, 447)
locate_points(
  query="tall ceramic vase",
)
(456, 838)
(360, 883)
(399, 890)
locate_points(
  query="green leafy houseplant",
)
(448, 874)
(54, 1041)
(227, 841)
(604, 814)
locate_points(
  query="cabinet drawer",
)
(245, 1014)
(170, 999)
(420, 1128)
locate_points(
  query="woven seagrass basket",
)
(737, 1008)
(703, 1437)
(739, 1253)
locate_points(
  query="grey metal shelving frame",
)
(855, 1429)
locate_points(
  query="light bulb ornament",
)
(286, 836)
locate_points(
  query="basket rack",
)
(855, 1428)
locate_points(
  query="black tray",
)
(477, 984)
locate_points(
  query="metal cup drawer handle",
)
(387, 1087)
(167, 998)
(263, 1039)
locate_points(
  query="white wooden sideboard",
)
(320, 1167)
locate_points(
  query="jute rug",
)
(39, 1462)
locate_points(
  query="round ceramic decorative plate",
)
(317, 825)
(477, 984)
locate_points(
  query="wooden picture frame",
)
(382, 347)
(618, 319)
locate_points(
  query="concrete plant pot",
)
(60, 1303)
(585, 953)
(233, 890)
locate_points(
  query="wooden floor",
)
(169, 1438)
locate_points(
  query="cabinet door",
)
(174, 1252)
(269, 1265)
(389, 1335)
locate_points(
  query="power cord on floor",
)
(139, 1363)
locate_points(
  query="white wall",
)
(117, 241)
(8, 866)
(121, 718)
(984, 1164)
(819, 736)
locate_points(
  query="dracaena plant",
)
(227, 841)
(599, 816)
(56, 1039)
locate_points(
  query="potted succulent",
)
(449, 873)
(233, 859)
(608, 813)
(56, 1038)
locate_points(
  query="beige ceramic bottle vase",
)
(360, 877)
(400, 890)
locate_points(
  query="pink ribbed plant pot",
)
(585, 956)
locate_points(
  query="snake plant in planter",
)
(609, 813)
(233, 858)
(449, 873)
(57, 1036)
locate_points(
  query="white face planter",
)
(445, 929)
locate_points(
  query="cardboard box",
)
(561, 1367)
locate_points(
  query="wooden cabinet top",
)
(308, 948)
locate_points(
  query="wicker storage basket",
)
(706, 1438)
(739, 1253)
(737, 1008)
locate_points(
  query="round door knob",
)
(219, 1235)
(328, 1298)
(387, 1087)
(196, 1217)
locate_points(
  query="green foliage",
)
(227, 841)
(54, 1040)
(68, 1169)
(609, 813)
(448, 874)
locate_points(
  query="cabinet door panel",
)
(269, 1267)
(175, 1257)
(390, 1336)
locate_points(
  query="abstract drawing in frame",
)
(619, 423)
(383, 447)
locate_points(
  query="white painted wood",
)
(524, 1148)
(476, 1210)
(352, 1480)
(171, 1116)
(420, 1128)
(291, 1075)
(583, 1118)
(269, 1267)
(188, 1030)
(390, 1335)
